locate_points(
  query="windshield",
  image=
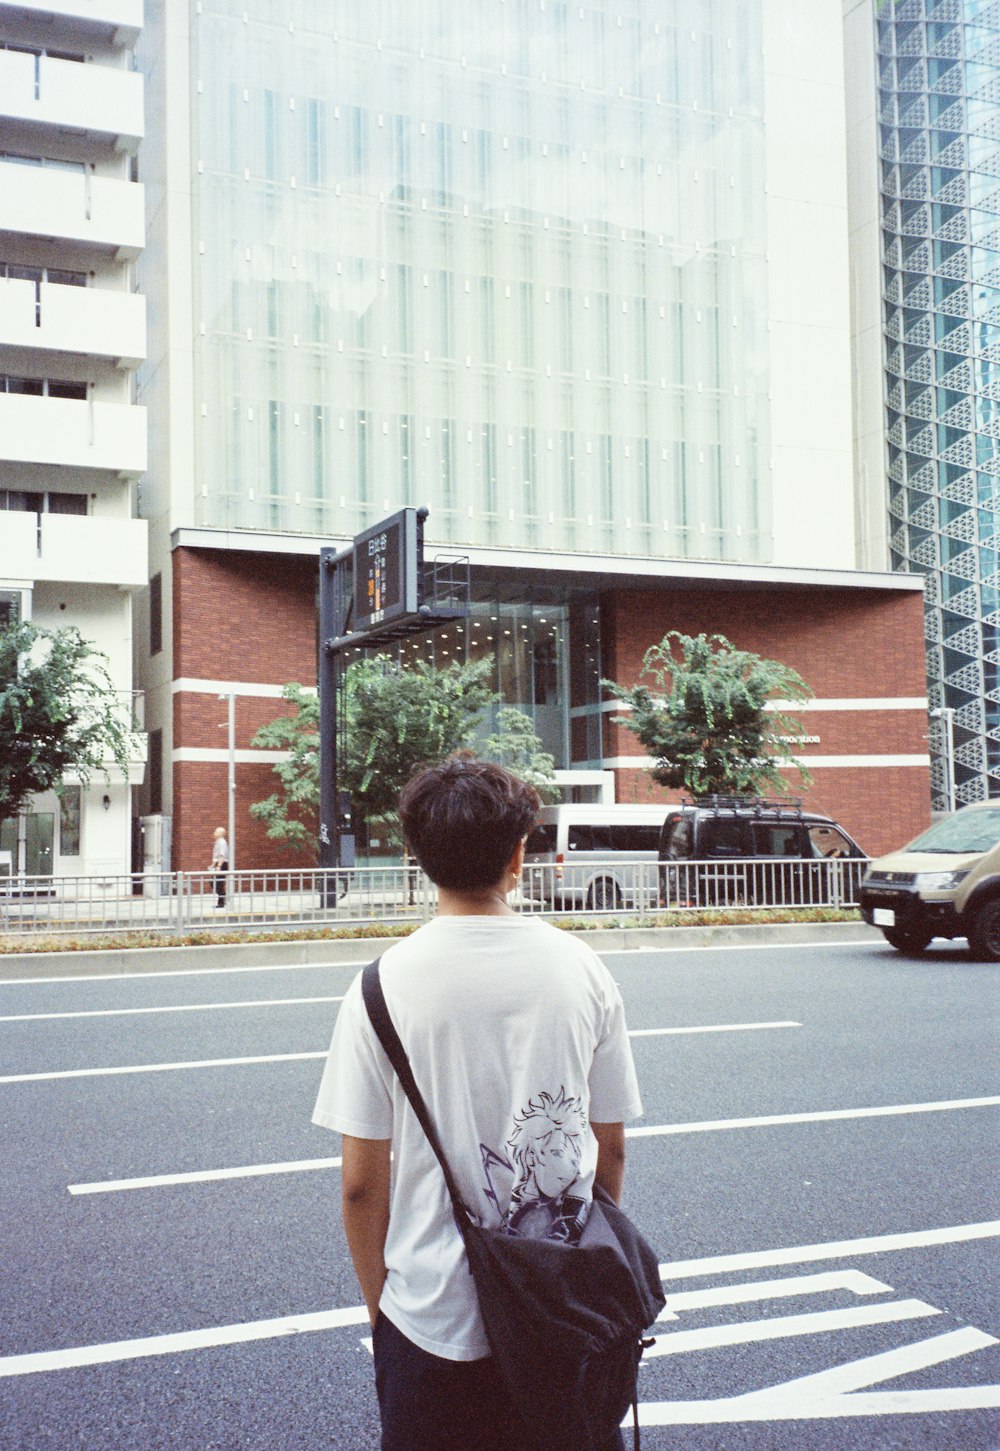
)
(965, 831)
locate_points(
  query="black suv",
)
(728, 850)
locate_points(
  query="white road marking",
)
(357, 966)
(173, 1008)
(42, 1360)
(825, 1281)
(357, 1315)
(838, 1249)
(830, 1394)
(712, 1028)
(202, 1176)
(783, 1327)
(706, 1126)
(83, 977)
(160, 1067)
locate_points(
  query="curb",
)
(115, 962)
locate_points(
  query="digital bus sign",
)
(385, 571)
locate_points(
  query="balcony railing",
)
(82, 549)
(76, 433)
(65, 319)
(73, 96)
(97, 211)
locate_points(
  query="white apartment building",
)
(72, 332)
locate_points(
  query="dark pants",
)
(220, 888)
(430, 1404)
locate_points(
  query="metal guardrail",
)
(184, 902)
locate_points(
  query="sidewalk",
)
(319, 952)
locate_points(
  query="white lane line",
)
(783, 1327)
(43, 1360)
(711, 1028)
(202, 1176)
(837, 1249)
(326, 966)
(707, 1126)
(160, 1067)
(357, 1315)
(856, 1282)
(171, 1008)
(83, 977)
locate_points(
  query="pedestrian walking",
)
(220, 865)
(516, 1035)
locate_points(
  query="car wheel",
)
(984, 934)
(911, 940)
(604, 896)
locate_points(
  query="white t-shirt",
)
(516, 1035)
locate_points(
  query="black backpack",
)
(558, 1316)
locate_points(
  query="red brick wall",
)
(245, 618)
(846, 644)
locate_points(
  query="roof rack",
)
(758, 805)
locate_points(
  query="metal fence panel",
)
(186, 902)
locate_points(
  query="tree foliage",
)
(515, 745)
(703, 718)
(59, 713)
(397, 719)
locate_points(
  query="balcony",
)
(63, 319)
(116, 20)
(64, 431)
(97, 211)
(73, 549)
(42, 91)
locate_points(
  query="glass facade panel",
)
(512, 255)
(941, 233)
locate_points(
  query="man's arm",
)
(610, 1172)
(365, 1208)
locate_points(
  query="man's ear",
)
(517, 860)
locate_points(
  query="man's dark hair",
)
(464, 818)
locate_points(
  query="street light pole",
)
(946, 713)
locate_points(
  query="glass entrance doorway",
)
(30, 839)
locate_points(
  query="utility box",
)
(156, 877)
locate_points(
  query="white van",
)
(598, 858)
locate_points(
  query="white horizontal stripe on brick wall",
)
(193, 686)
(622, 763)
(215, 754)
(874, 702)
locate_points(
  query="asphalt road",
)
(833, 1271)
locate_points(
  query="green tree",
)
(396, 719)
(515, 745)
(59, 713)
(703, 719)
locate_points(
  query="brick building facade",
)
(246, 623)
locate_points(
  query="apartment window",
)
(154, 772)
(69, 821)
(10, 608)
(42, 501)
(156, 614)
(51, 163)
(42, 387)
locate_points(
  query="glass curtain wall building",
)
(939, 117)
(506, 258)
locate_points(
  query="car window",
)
(829, 842)
(601, 838)
(635, 838)
(542, 838)
(776, 838)
(721, 836)
(580, 838)
(677, 839)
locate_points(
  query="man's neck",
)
(489, 903)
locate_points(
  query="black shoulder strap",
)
(378, 1012)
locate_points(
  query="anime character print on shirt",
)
(542, 1153)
